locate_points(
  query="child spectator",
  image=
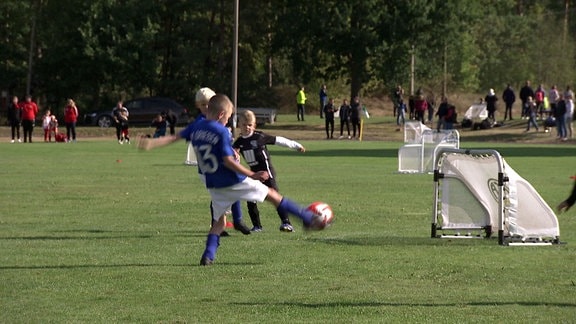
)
(531, 110)
(227, 181)
(160, 124)
(123, 120)
(252, 145)
(46, 120)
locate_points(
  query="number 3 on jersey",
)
(207, 161)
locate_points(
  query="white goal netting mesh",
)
(469, 197)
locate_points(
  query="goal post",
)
(477, 194)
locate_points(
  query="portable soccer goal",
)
(418, 154)
(477, 194)
(190, 156)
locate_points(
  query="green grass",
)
(99, 232)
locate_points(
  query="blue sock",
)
(288, 206)
(236, 212)
(212, 243)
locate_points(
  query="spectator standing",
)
(29, 112)
(450, 117)
(568, 117)
(420, 106)
(323, 99)
(344, 118)
(171, 120)
(525, 92)
(397, 98)
(491, 100)
(559, 114)
(300, 104)
(329, 111)
(117, 115)
(46, 119)
(568, 94)
(70, 119)
(15, 118)
(532, 111)
(553, 97)
(441, 113)
(509, 97)
(401, 114)
(355, 115)
(539, 96)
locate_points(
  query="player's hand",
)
(144, 143)
(564, 206)
(260, 176)
(302, 149)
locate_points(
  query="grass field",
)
(100, 232)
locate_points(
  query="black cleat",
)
(240, 226)
(224, 233)
(205, 261)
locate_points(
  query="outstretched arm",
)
(283, 141)
(147, 144)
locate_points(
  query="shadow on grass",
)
(384, 304)
(515, 151)
(126, 265)
(95, 235)
(403, 241)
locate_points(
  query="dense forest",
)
(100, 51)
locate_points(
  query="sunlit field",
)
(101, 232)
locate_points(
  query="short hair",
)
(219, 103)
(247, 116)
(204, 95)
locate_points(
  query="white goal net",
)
(421, 144)
(476, 193)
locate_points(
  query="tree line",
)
(100, 51)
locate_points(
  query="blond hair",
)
(247, 117)
(219, 103)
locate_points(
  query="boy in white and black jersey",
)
(252, 145)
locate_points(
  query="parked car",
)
(141, 112)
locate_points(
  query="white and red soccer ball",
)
(324, 216)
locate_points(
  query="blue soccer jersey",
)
(211, 142)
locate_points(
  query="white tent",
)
(476, 191)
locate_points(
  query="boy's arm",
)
(147, 144)
(283, 141)
(233, 165)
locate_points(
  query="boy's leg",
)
(213, 241)
(237, 218)
(285, 205)
(254, 215)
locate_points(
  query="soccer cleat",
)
(224, 233)
(256, 229)
(12, 141)
(286, 228)
(206, 261)
(240, 226)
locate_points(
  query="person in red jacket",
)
(70, 119)
(29, 111)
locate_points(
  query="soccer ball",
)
(323, 215)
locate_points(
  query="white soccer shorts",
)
(247, 190)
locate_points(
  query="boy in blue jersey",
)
(203, 96)
(227, 180)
